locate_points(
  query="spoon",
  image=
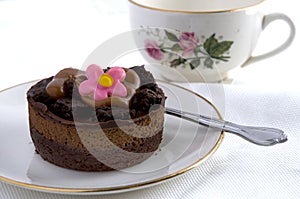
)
(263, 136)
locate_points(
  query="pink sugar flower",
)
(102, 85)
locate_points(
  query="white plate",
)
(184, 146)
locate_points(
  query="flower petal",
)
(94, 72)
(87, 87)
(117, 73)
(100, 94)
(119, 90)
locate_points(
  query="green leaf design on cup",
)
(195, 63)
(210, 44)
(176, 48)
(171, 36)
(217, 49)
(208, 62)
(187, 49)
(177, 62)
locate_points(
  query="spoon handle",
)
(264, 136)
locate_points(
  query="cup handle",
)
(266, 21)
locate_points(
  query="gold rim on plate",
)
(195, 12)
(126, 187)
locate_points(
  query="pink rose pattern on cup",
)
(188, 42)
(153, 49)
(186, 49)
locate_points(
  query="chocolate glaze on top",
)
(147, 96)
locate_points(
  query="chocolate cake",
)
(76, 127)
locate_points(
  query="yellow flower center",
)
(106, 80)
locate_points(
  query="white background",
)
(39, 37)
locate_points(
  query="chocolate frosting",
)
(147, 96)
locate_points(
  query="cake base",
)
(81, 159)
(94, 146)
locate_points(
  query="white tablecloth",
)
(238, 169)
(55, 34)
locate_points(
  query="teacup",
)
(202, 40)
